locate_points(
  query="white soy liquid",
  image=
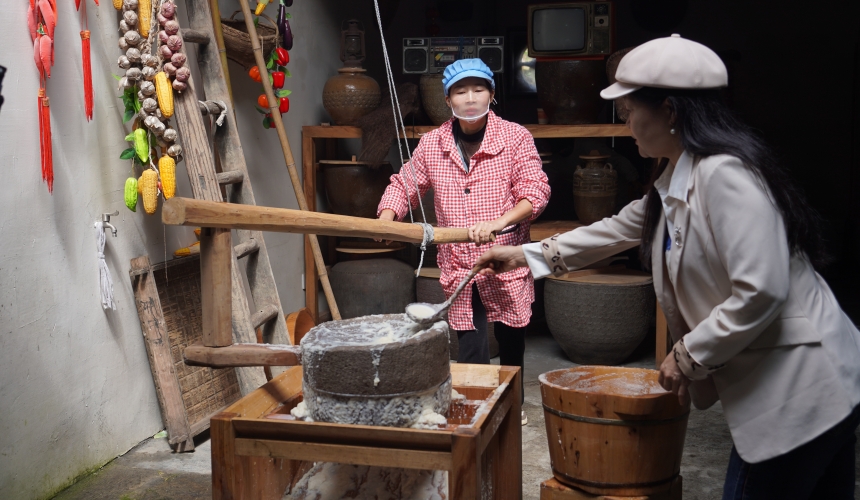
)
(420, 311)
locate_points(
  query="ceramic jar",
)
(349, 95)
(594, 188)
(433, 98)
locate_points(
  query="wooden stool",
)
(552, 489)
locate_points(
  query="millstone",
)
(375, 370)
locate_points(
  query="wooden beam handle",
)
(179, 211)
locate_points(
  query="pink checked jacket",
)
(505, 170)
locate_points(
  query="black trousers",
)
(475, 344)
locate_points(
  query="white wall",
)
(75, 384)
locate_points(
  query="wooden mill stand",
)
(257, 446)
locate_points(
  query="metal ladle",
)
(427, 314)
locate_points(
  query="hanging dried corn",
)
(41, 22)
(148, 93)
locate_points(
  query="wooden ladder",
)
(206, 184)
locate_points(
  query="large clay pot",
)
(613, 431)
(354, 188)
(433, 98)
(600, 319)
(349, 95)
(428, 289)
(594, 188)
(569, 91)
(372, 286)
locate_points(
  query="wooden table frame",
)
(255, 457)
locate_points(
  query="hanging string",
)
(105, 281)
(400, 127)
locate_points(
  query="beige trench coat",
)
(791, 355)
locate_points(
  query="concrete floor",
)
(151, 471)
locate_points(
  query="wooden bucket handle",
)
(277, 32)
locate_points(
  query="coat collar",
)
(492, 144)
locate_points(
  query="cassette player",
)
(432, 55)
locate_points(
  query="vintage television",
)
(571, 29)
(432, 55)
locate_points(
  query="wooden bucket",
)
(613, 431)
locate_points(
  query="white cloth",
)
(105, 281)
(737, 297)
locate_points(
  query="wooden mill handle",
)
(191, 212)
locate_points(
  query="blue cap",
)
(464, 68)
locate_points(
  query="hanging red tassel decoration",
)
(88, 74)
(45, 139)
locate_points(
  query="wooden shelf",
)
(537, 131)
(318, 142)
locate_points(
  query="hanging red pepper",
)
(283, 57)
(278, 79)
(284, 106)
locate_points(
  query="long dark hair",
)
(706, 127)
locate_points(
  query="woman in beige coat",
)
(733, 246)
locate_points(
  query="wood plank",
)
(353, 435)
(537, 131)
(469, 375)
(216, 249)
(345, 454)
(553, 489)
(160, 360)
(270, 395)
(243, 355)
(330, 132)
(191, 212)
(309, 177)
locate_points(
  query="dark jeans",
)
(475, 345)
(821, 469)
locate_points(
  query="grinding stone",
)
(338, 357)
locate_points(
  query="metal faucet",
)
(106, 221)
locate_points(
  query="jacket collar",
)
(492, 144)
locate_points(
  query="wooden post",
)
(226, 476)
(511, 441)
(464, 480)
(216, 291)
(309, 174)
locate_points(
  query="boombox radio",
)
(432, 55)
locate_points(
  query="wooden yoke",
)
(217, 219)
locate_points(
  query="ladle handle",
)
(474, 271)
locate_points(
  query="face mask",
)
(461, 115)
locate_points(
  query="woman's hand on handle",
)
(501, 259)
(483, 232)
(673, 379)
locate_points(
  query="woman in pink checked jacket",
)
(486, 175)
